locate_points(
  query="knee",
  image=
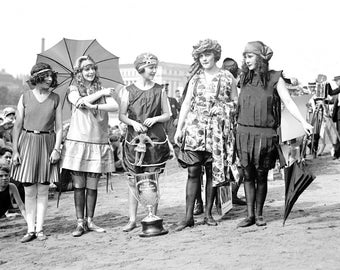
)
(43, 189)
(78, 181)
(92, 183)
(248, 175)
(262, 176)
(194, 173)
(31, 191)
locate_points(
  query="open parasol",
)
(62, 57)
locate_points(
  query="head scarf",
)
(144, 60)
(207, 45)
(259, 48)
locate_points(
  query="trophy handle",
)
(159, 171)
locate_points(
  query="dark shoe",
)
(28, 237)
(210, 221)
(237, 201)
(198, 209)
(260, 221)
(182, 225)
(79, 231)
(334, 158)
(130, 226)
(247, 222)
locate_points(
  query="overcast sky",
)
(304, 35)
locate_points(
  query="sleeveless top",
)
(145, 104)
(5, 201)
(259, 107)
(39, 116)
(259, 116)
(212, 134)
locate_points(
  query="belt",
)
(38, 132)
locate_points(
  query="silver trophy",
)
(147, 193)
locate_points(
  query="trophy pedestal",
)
(152, 226)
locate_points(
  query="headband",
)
(41, 71)
(144, 60)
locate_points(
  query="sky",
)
(303, 34)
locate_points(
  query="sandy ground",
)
(309, 240)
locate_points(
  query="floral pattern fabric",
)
(212, 133)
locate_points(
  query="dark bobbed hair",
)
(5, 168)
(262, 69)
(39, 78)
(5, 149)
(231, 65)
(141, 71)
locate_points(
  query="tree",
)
(4, 95)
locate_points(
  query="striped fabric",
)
(35, 151)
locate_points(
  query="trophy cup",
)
(147, 193)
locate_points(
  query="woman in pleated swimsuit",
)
(259, 116)
(37, 136)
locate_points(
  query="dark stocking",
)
(210, 191)
(79, 202)
(91, 200)
(261, 190)
(249, 189)
(199, 191)
(193, 185)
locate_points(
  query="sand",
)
(309, 240)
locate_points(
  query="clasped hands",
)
(141, 128)
(84, 104)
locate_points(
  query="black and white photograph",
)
(169, 135)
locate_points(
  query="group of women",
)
(216, 127)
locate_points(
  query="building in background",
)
(173, 74)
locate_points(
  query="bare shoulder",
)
(12, 187)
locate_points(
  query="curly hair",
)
(262, 68)
(79, 79)
(207, 45)
(40, 71)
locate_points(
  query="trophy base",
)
(152, 228)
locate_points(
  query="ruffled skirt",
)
(87, 157)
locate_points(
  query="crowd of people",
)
(226, 118)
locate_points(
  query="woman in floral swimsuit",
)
(204, 129)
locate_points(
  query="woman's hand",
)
(178, 138)
(308, 128)
(82, 104)
(215, 110)
(16, 160)
(55, 156)
(138, 127)
(108, 91)
(149, 122)
(7, 124)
